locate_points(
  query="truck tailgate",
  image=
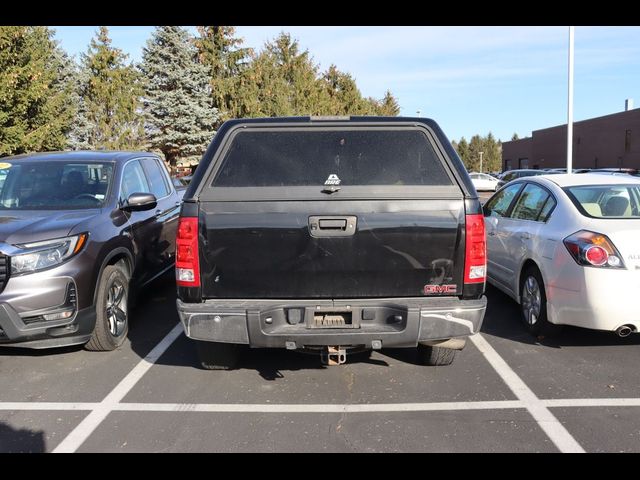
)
(336, 249)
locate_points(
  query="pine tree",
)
(346, 98)
(492, 153)
(515, 137)
(221, 52)
(110, 90)
(36, 106)
(177, 101)
(463, 151)
(389, 105)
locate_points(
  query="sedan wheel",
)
(533, 302)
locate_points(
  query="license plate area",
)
(333, 318)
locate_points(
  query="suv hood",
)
(18, 226)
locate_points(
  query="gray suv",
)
(79, 232)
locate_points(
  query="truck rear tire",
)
(217, 356)
(435, 356)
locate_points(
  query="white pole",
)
(570, 107)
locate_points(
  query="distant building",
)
(609, 141)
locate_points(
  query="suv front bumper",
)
(392, 322)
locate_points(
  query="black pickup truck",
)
(330, 235)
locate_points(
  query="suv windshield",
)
(331, 157)
(35, 185)
(606, 201)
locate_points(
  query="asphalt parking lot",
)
(506, 392)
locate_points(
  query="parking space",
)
(73, 374)
(280, 376)
(480, 431)
(577, 363)
(505, 392)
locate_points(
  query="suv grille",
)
(4, 271)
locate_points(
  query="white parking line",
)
(559, 435)
(48, 406)
(86, 427)
(317, 408)
(592, 402)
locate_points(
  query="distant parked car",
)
(181, 183)
(617, 171)
(79, 232)
(565, 247)
(483, 181)
(564, 170)
(515, 174)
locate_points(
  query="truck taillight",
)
(593, 249)
(187, 259)
(475, 263)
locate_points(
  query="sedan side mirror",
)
(485, 210)
(140, 201)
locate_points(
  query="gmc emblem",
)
(440, 289)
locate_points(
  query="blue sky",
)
(469, 79)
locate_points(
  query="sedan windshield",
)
(606, 201)
(45, 185)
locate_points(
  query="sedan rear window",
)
(330, 157)
(606, 201)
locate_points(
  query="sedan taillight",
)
(593, 249)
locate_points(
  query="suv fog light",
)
(58, 316)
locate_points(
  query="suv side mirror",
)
(140, 201)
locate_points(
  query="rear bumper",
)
(394, 322)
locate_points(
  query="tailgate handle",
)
(333, 224)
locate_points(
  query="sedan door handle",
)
(491, 234)
(525, 236)
(158, 212)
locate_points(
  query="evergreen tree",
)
(110, 105)
(221, 52)
(476, 145)
(389, 105)
(492, 154)
(177, 100)
(515, 137)
(345, 96)
(36, 105)
(463, 151)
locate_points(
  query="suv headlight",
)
(46, 254)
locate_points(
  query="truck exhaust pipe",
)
(624, 330)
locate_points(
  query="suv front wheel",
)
(112, 318)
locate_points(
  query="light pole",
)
(418, 113)
(570, 106)
(481, 161)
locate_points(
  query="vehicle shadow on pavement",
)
(503, 319)
(270, 363)
(154, 314)
(21, 441)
